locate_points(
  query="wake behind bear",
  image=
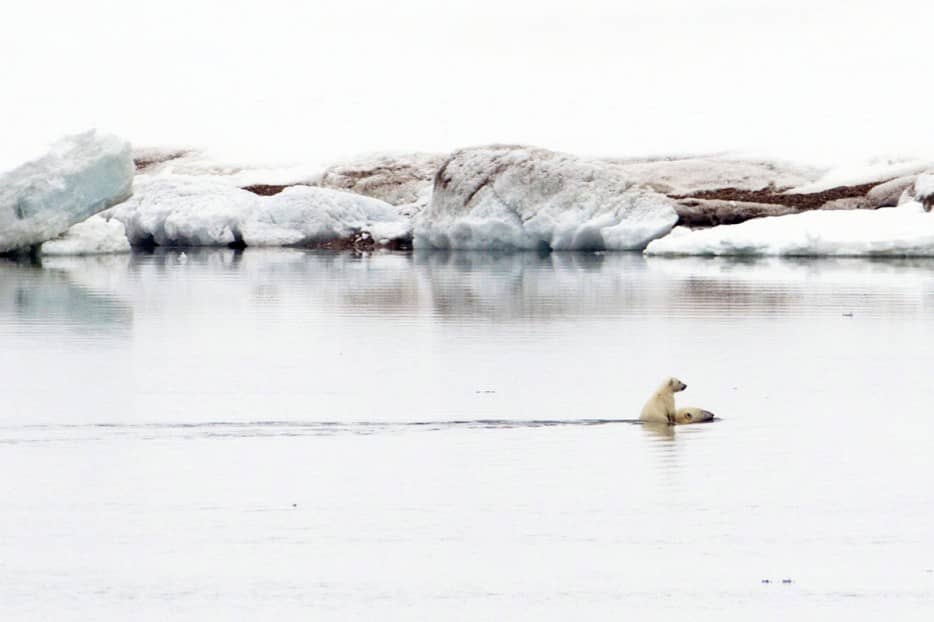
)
(661, 407)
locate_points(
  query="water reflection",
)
(102, 292)
(659, 431)
(339, 388)
(768, 286)
(32, 294)
(529, 286)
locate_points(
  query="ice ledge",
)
(78, 177)
(907, 230)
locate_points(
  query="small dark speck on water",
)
(294, 505)
(847, 315)
(485, 391)
(786, 581)
(765, 581)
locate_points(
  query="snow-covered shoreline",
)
(905, 231)
(498, 197)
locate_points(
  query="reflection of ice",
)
(742, 285)
(482, 286)
(509, 286)
(530, 286)
(472, 286)
(51, 299)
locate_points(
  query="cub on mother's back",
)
(661, 406)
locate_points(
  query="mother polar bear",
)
(661, 406)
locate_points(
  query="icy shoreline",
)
(906, 231)
(497, 197)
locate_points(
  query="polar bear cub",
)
(661, 406)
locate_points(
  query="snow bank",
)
(303, 216)
(397, 178)
(503, 197)
(690, 175)
(192, 162)
(184, 211)
(79, 176)
(175, 210)
(862, 173)
(95, 236)
(899, 231)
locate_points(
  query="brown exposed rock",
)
(147, 159)
(362, 242)
(802, 201)
(726, 206)
(267, 190)
(713, 212)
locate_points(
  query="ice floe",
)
(95, 236)
(506, 197)
(177, 210)
(304, 216)
(497, 197)
(78, 177)
(906, 230)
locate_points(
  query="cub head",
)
(676, 385)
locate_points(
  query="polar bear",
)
(661, 406)
(693, 415)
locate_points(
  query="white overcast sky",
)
(321, 80)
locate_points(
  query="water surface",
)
(222, 435)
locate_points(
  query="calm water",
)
(230, 436)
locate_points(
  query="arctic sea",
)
(223, 435)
